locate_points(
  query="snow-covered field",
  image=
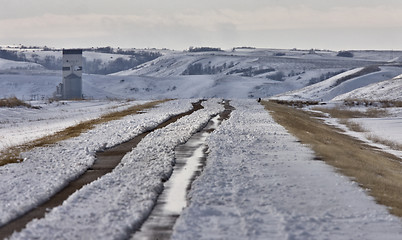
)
(19, 125)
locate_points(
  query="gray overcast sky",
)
(178, 24)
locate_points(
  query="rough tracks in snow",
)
(190, 159)
(105, 162)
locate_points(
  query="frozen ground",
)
(19, 125)
(260, 183)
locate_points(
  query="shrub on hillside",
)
(204, 49)
(13, 102)
(345, 54)
(278, 76)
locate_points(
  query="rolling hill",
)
(238, 73)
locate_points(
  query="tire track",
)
(105, 162)
(191, 158)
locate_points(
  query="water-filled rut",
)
(190, 160)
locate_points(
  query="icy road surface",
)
(260, 183)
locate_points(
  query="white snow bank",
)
(46, 170)
(109, 207)
(260, 183)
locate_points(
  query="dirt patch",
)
(377, 172)
(105, 162)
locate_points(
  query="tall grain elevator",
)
(72, 74)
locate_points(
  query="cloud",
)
(268, 18)
(275, 18)
(188, 26)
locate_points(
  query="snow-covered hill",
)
(349, 81)
(255, 63)
(239, 73)
(385, 90)
(6, 65)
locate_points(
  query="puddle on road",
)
(190, 159)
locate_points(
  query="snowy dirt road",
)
(259, 182)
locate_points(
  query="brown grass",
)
(339, 112)
(13, 102)
(12, 154)
(295, 103)
(393, 145)
(367, 103)
(354, 126)
(378, 172)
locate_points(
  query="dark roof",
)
(72, 76)
(72, 51)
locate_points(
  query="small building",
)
(71, 87)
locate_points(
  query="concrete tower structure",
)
(72, 74)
